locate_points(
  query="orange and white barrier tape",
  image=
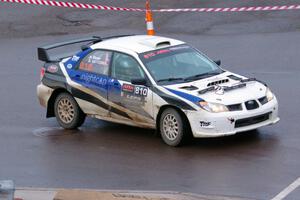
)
(112, 8)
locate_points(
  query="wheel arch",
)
(164, 107)
(51, 101)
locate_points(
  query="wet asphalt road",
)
(255, 165)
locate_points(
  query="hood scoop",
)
(189, 87)
(217, 82)
(233, 77)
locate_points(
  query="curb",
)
(35, 194)
(87, 194)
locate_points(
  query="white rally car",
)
(151, 82)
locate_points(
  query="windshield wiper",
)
(170, 79)
(200, 76)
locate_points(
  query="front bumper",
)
(44, 93)
(206, 124)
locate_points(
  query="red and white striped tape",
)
(72, 5)
(112, 8)
(235, 9)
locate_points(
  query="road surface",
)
(35, 152)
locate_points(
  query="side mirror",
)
(218, 62)
(139, 81)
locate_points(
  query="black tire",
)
(173, 127)
(67, 112)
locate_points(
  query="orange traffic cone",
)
(149, 19)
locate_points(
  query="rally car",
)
(151, 82)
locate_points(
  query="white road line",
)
(287, 190)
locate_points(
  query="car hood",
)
(250, 91)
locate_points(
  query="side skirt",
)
(126, 122)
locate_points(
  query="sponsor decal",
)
(231, 120)
(155, 53)
(164, 51)
(128, 88)
(132, 101)
(149, 55)
(69, 66)
(133, 98)
(52, 69)
(100, 58)
(205, 124)
(94, 59)
(75, 58)
(219, 90)
(179, 48)
(91, 78)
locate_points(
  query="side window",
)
(125, 68)
(96, 62)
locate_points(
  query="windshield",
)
(178, 64)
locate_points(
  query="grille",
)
(235, 107)
(252, 120)
(251, 105)
(263, 100)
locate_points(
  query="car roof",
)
(137, 43)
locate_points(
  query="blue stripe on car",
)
(189, 97)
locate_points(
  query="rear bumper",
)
(44, 93)
(205, 124)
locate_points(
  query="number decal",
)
(141, 91)
(145, 92)
(135, 90)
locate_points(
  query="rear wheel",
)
(172, 127)
(67, 112)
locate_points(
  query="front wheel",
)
(67, 112)
(172, 127)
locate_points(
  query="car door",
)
(134, 99)
(92, 74)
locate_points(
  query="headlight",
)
(269, 94)
(213, 107)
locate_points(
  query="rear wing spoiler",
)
(43, 52)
